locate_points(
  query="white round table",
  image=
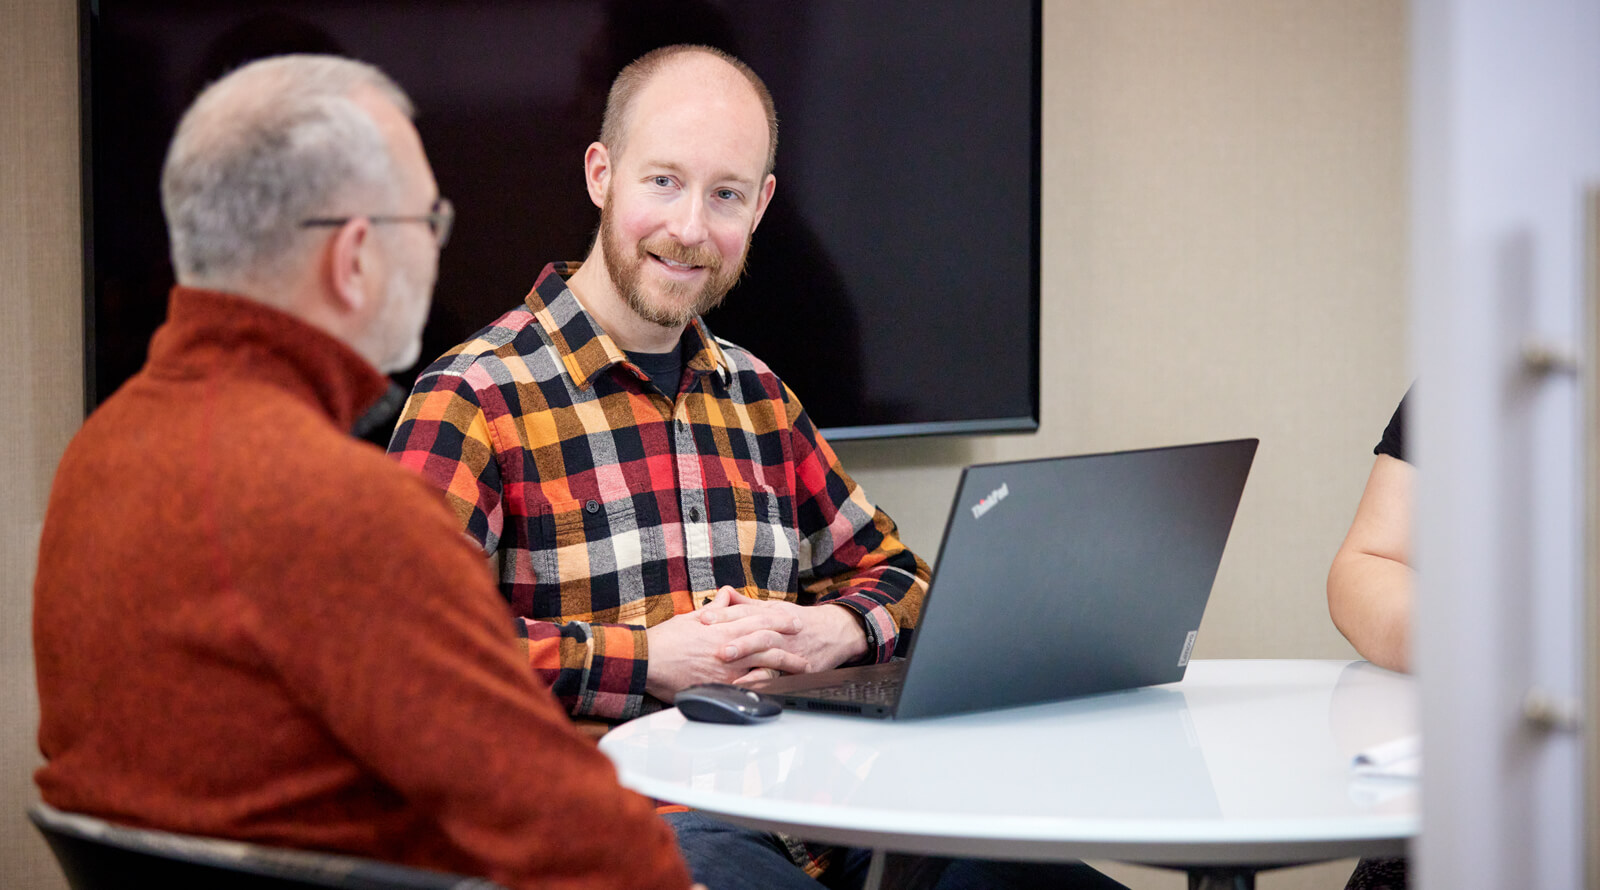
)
(1243, 765)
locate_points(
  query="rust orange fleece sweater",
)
(248, 624)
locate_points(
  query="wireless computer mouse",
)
(726, 703)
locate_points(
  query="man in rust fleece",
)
(247, 623)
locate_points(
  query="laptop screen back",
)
(1076, 575)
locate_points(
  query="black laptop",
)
(1057, 578)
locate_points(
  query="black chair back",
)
(98, 855)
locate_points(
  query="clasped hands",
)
(738, 639)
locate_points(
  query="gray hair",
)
(271, 144)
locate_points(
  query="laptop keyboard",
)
(872, 692)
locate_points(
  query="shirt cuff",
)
(613, 678)
(881, 631)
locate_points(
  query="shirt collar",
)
(586, 350)
(211, 332)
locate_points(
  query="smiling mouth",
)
(674, 264)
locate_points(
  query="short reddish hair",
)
(633, 77)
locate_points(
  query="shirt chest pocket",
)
(761, 544)
(597, 561)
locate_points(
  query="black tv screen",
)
(893, 284)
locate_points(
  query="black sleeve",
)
(1394, 435)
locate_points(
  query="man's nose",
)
(688, 224)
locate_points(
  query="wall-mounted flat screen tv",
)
(894, 283)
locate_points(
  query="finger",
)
(714, 614)
(759, 639)
(744, 622)
(754, 616)
(780, 660)
(749, 644)
(739, 601)
(711, 612)
(758, 675)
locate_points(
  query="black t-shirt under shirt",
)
(665, 369)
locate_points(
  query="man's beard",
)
(404, 313)
(675, 304)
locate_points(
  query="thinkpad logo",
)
(987, 504)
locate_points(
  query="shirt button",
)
(694, 514)
(592, 506)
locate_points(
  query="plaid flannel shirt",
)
(615, 507)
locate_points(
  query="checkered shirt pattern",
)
(615, 507)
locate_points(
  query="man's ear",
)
(349, 267)
(597, 172)
(764, 198)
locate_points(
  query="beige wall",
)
(1224, 238)
(1224, 247)
(1224, 255)
(41, 339)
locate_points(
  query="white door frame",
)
(1505, 141)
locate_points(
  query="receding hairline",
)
(641, 73)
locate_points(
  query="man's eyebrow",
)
(673, 167)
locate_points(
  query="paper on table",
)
(1400, 758)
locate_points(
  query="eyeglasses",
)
(438, 218)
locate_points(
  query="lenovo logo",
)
(987, 504)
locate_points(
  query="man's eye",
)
(727, 194)
(662, 181)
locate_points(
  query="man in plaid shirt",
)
(664, 511)
(650, 489)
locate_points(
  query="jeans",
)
(724, 856)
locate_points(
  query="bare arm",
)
(1370, 582)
